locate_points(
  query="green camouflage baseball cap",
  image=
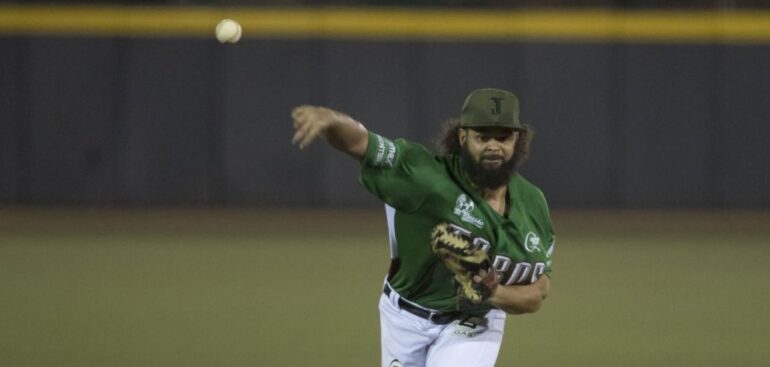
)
(490, 107)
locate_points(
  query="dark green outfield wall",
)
(188, 121)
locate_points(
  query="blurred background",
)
(653, 107)
(154, 213)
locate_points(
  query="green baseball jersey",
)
(422, 190)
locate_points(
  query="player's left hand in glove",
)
(466, 258)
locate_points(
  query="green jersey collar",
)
(460, 175)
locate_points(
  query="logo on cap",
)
(497, 109)
(484, 108)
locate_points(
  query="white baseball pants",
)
(411, 341)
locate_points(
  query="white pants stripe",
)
(411, 341)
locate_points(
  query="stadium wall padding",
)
(133, 120)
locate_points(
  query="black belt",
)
(436, 317)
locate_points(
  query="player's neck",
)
(496, 198)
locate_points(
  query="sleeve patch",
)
(386, 152)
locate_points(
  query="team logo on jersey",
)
(395, 363)
(532, 242)
(464, 209)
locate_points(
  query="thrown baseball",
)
(228, 31)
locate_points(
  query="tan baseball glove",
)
(463, 254)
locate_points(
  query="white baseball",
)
(228, 31)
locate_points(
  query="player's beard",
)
(483, 177)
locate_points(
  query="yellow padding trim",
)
(397, 24)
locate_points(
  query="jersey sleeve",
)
(396, 172)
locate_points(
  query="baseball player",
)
(470, 239)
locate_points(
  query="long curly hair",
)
(448, 143)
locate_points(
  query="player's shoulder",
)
(399, 154)
(413, 146)
(525, 190)
(524, 185)
(416, 152)
(532, 199)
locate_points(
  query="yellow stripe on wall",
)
(396, 24)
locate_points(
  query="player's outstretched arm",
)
(519, 299)
(338, 129)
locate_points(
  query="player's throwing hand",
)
(347, 134)
(309, 122)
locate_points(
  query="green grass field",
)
(300, 288)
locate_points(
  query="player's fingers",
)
(297, 112)
(490, 280)
(306, 140)
(297, 137)
(484, 276)
(298, 115)
(311, 134)
(301, 129)
(299, 134)
(298, 122)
